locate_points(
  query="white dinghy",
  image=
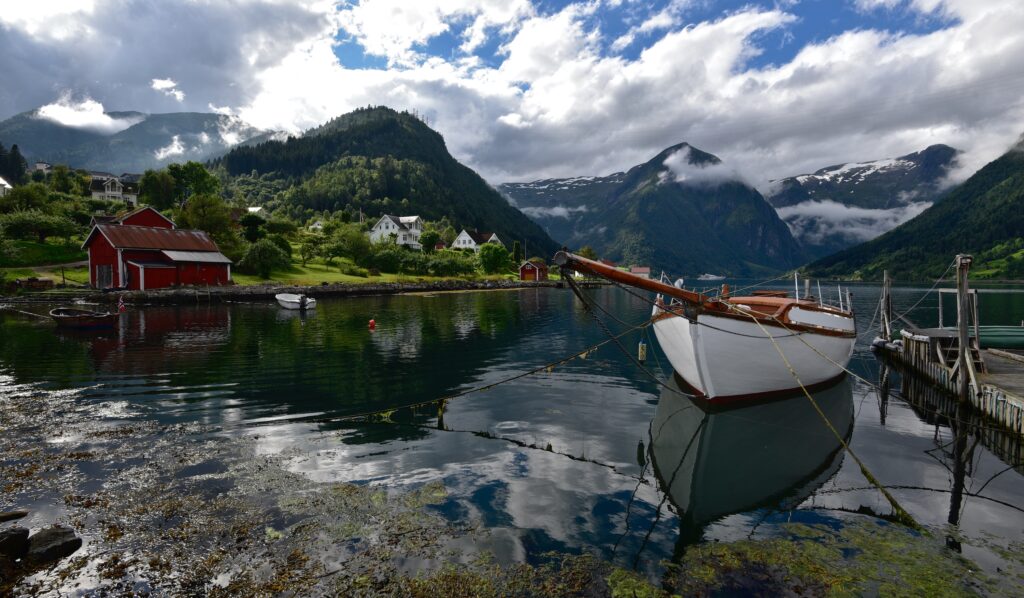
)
(293, 301)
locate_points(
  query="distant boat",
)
(710, 277)
(82, 319)
(292, 301)
(728, 348)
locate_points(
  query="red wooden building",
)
(144, 250)
(533, 271)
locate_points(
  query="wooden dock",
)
(992, 381)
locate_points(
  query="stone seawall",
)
(267, 292)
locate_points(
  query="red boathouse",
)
(533, 271)
(144, 250)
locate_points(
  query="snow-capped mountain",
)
(843, 205)
(137, 142)
(683, 211)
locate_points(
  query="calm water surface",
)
(636, 472)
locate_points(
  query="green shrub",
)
(282, 244)
(262, 257)
(449, 262)
(354, 270)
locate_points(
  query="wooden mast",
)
(572, 261)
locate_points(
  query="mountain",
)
(983, 216)
(683, 211)
(840, 206)
(377, 161)
(133, 141)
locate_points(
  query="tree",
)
(208, 213)
(34, 196)
(350, 242)
(158, 189)
(588, 252)
(262, 257)
(251, 224)
(312, 246)
(517, 253)
(448, 235)
(429, 239)
(494, 258)
(280, 226)
(192, 178)
(61, 180)
(28, 224)
(15, 168)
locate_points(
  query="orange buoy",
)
(373, 324)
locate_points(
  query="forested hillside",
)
(376, 161)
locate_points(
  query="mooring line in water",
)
(442, 401)
(924, 489)
(27, 313)
(901, 513)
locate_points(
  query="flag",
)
(120, 305)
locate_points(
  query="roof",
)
(208, 257)
(139, 210)
(401, 222)
(4, 183)
(149, 264)
(123, 236)
(644, 269)
(478, 237)
(537, 265)
(102, 219)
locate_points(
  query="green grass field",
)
(30, 253)
(316, 272)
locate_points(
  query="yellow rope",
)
(901, 514)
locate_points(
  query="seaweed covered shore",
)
(187, 509)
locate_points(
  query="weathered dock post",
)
(963, 266)
(886, 306)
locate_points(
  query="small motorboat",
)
(706, 277)
(83, 319)
(293, 301)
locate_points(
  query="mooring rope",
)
(901, 513)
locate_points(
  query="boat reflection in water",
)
(714, 463)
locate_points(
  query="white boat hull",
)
(290, 301)
(731, 358)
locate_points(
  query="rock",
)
(13, 542)
(12, 515)
(52, 544)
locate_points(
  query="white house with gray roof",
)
(5, 187)
(406, 229)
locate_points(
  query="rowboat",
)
(293, 301)
(714, 462)
(730, 348)
(82, 319)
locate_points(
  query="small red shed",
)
(533, 271)
(143, 250)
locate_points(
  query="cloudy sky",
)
(523, 89)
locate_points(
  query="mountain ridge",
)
(683, 211)
(147, 140)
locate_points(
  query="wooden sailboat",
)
(727, 348)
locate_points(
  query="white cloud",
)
(553, 212)
(816, 221)
(169, 88)
(56, 19)
(555, 101)
(682, 169)
(84, 114)
(174, 148)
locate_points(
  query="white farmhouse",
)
(317, 227)
(406, 229)
(5, 187)
(114, 190)
(474, 239)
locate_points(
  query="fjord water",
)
(594, 455)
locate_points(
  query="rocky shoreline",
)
(192, 295)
